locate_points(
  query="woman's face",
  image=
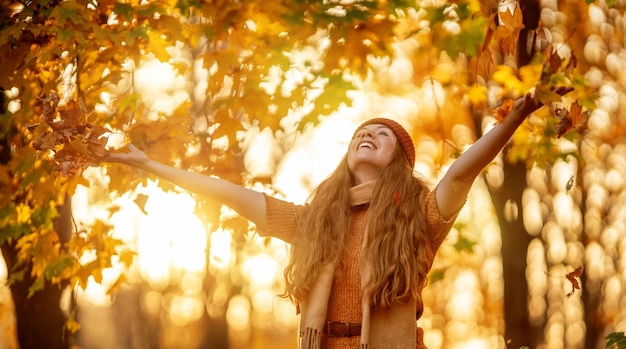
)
(371, 150)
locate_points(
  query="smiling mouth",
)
(368, 145)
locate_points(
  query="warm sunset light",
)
(116, 143)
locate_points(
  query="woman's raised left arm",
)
(453, 188)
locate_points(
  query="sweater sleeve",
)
(438, 227)
(282, 218)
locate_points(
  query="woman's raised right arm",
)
(247, 202)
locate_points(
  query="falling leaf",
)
(141, 201)
(71, 324)
(552, 64)
(572, 278)
(511, 23)
(464, 244)
(570, 183)
(436, 275)
(574, 118)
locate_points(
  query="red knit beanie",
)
(403, 136)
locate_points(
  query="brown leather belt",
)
(342, 329)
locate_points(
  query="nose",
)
(367, 133)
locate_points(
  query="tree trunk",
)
(519, 332)
(216, 333)
(515, 240)
(40, 321)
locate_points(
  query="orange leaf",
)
(72, 115)
(571, 277)
(574, 118)
(503, 110)
(511, 23)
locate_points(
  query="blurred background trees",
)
(266, 95)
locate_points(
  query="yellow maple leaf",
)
(510, 24)
(477, 95)
(23, 213)
(508, 78)
(158, 46)
(71, 324)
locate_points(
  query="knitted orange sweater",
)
(344, 303)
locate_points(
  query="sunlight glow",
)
(171, 234)
(465, 300)
(532, 212)
(221, 249)
(537, 281)
(465, 310)
(238, 314)
(3, 271)
(184, 309)
(151, 302)
(96, 293)
(262, 269)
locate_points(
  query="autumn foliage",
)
(69, 69)
(74, 142)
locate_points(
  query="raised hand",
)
(528, 103)
(134, 157)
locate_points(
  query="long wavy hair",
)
(397, 249)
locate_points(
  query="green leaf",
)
(464, 244)
(55, 268)
(139, 32)
(616, 340)
(7, 213)
(333, 95)
(70, 10)
(16, 276)
(36, 286)
(149, 9)
(129, 102)
(185, 5)
(436, 275)
(41, 217)
(13, 231)
(124, 10)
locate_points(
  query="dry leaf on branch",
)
(75, 143)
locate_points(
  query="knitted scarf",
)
(314, 307)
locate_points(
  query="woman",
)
(363, 245)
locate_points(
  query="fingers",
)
(121, 157)
(113, 157)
